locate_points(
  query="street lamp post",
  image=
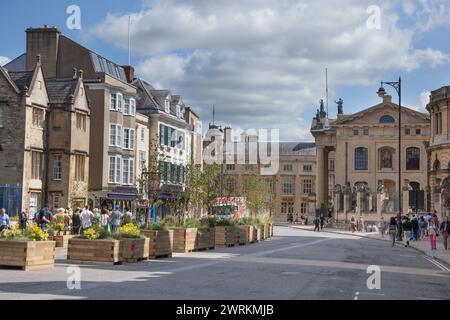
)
(398, 87)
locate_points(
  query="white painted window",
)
(112, 135)
(132, 107)
(119, 135)
(129, 137)
(125, 171)
(119, 102)
(112, 169)
(142, 135)
(57, 167)
(126, 106)
(113, 100)
(118, 169)
(128, 171)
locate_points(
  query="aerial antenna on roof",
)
(129, 40)
(326, 85)
(214, 115)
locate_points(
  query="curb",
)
(370, 238)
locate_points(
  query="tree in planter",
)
(193, 196)
(257, 192)
(210, 185)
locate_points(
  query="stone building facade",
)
(439, 150)
(365, 148)
(47, 144)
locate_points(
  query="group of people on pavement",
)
(417, 228)
(357, 224)
(76, 220)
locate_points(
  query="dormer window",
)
(167, 105)
(179, 111)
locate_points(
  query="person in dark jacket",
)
(399, 227)
(317, 224)
(415, 228)
(322, 222)
(445, 230)
(407, 228)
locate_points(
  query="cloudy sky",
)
(261, 62)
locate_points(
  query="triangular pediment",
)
(374, 114)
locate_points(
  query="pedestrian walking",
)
(393, 230)
(116, 219)
(5, 223)
(423, 226)
(361, 224)
(432, 234)
(104, 220)
(317, 224)
(407, 230)
(353, 224)
(382, 226)
(23, 220)
(444, 229)
(44, 217)
(415, 228)
(76, 221)
(86, 218)
(322, 222)
(399, 227)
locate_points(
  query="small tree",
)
(257, 192)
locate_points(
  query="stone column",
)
(405, 200)
(346, 203)
(320, 177)
(379, 204)
(370, 202)
(358, 202)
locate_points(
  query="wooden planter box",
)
(203, 239)
(212, 238)
(251, 234)
(62, 241)
(28, 255)
(184, 240)
(225, 236)
(257, 234)
(243, 238)
(135, 250)
(94, 251)
(265, 232)
(160, 243)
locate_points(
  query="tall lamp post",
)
(398, 87)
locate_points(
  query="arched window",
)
(387, 119)
(361, 159)
(413, 159)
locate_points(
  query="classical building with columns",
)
(440, 150)
(365, 148)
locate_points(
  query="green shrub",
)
(169, 221)
(155, 227)
(209, 221)
(129, 231)
(94, 233)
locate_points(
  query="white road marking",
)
(263, 253)
(428, 299)
(437, 264)
(356, 296)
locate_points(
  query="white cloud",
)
(424, 100)
(262, 62)
(4, 60)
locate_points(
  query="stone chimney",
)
(129, 73)
(227, 134)
(43, 41)
(387, 99)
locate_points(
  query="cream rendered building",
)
(440, 150)
(365, 147)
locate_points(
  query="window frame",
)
(57, 170)
(357, 159)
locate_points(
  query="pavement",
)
(424, 247)
(293, 265)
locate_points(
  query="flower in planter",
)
(129, 231)
(94, 233)
(35, 233)
(12, 234)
